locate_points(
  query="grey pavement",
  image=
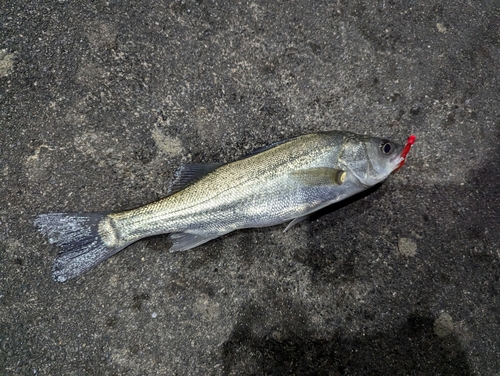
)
(101, 101)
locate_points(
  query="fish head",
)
(371, 159)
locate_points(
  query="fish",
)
(284, 182)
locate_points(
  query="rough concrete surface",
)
(100, 101)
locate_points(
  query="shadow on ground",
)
(409, 347)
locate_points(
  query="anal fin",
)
(182, 241)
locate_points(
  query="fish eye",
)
(386, 147)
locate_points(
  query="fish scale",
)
(236, 185)
(284, 182)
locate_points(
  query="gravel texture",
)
(100, 101)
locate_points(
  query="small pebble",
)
(407, 247)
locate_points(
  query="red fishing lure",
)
(406, 150)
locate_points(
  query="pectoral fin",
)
(319, 176)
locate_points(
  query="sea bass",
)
(286, 181)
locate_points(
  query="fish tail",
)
(81, 244)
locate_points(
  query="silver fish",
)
(286, 181)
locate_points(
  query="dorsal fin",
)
(188, 174)
(264, 148)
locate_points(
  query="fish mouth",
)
(404, 153)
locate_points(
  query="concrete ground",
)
(100, 101)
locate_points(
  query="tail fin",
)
(81, 246)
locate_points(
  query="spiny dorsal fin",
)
(188, 174)
(265, 148)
